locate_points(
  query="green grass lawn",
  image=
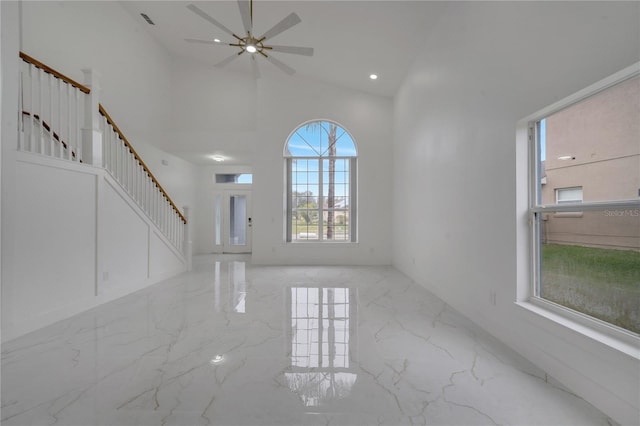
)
(599, 282)
(600, 266)
(340, 231)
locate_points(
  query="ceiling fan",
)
(251, 44)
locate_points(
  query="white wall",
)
(1, 133)
(9, 39)
(257, 118)
(484, 67)
(80, 241)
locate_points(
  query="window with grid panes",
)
(585, 206)
(321, 162)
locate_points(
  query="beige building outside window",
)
(592, 153)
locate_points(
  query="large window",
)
(321, 166)
(585, 205)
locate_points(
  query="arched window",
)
(321, 161)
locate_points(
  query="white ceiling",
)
(352, 39)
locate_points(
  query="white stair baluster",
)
(112, 149)
(116, 158)
(78, 134)
(68, 121)
(40, 109)
(52, 140)
(148, 194)
(21, 128)
(32, 106)
(131, 169)
(109, 136)
(136, 171)
(127, 166)
(121, 159)
(59, 125)
(172, 226)
(135, 181)
(155, 207)
(105, 145)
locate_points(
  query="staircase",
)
(59, 121)
(89, 221)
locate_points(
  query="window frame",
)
(353, 181)
(218, 178)
(531, 211)
(575, 200)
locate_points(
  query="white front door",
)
(236, 222)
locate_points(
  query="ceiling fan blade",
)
(246, 15)
(195, 40)
(295, 50)
(281, 26)
(284, 67)
(227, 60)
(254, 67)
(195, 9)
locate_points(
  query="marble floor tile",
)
(231, 343)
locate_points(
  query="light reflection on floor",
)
(322, 336)
(235, 344)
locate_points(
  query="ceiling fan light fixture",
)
(250, 43)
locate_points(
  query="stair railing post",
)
(91, 133)
(187, 244)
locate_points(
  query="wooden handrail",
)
(48, 129)
(47, 69)
(139, 160)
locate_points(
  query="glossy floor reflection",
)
(234, 344)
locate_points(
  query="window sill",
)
(614, 337)
(323, 243)
(568, 214)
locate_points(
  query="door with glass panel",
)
(236, 222)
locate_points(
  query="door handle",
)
(249, 222)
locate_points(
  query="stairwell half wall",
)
(80, 241)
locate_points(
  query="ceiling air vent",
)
(146, 18)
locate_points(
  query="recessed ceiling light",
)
(217, 40)
(218, 158)
(217, 359)
(373, 77)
